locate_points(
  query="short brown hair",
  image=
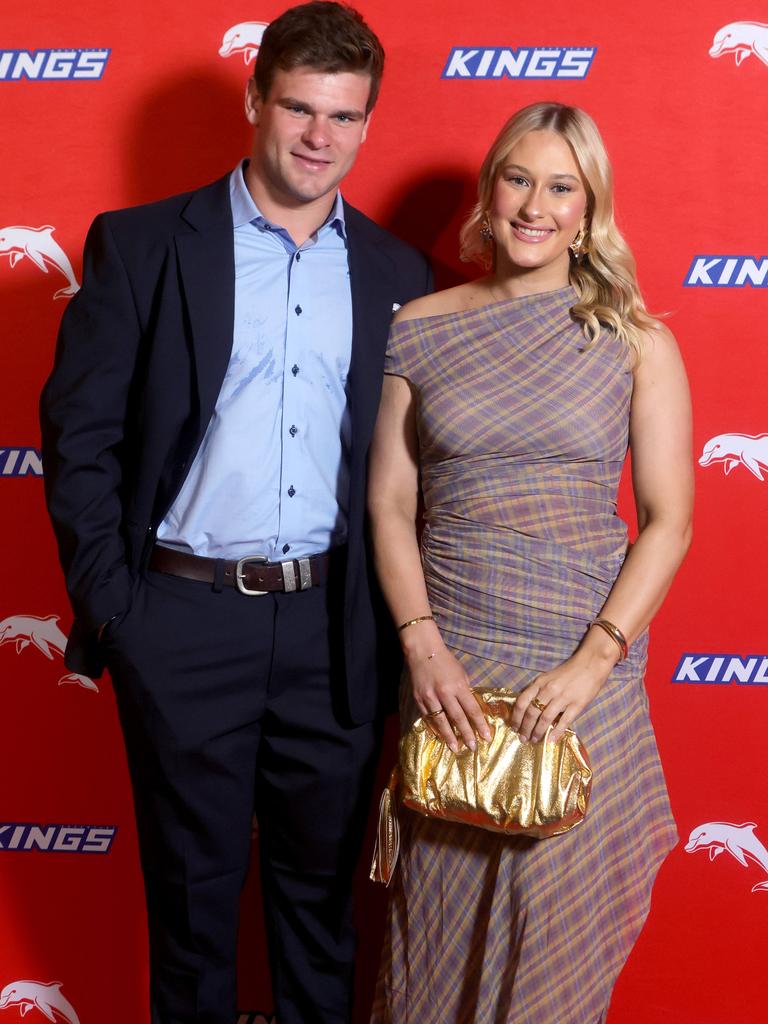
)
(322, 35)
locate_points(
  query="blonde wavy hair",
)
(605, 277)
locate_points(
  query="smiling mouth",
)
(309, 161)
(535, 234)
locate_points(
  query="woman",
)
(509, 402)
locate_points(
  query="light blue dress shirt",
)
(271, 476)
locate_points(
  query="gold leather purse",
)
(507, 784)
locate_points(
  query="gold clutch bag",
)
(507, 784)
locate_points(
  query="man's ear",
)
(253, 103)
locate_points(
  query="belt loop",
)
(218, 575)
(305, 573)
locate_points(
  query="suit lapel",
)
(371, 284)
(205, 249)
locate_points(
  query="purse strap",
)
(387, 847)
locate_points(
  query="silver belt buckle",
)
(240, 575)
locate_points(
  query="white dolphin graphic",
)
(738, 840)
(749, 450)
(741, 38)
(43, 633)
(38, 245)
(243, 38)
(48, 999)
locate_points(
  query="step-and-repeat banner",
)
(108, 105)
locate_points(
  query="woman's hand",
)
(440, 685)
(561, 695)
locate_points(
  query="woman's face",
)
(538, 206)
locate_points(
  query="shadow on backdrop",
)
(191, 129)
(427, 211)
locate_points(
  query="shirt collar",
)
(245, 211)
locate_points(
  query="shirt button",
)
(294, 430)
(291, 491)
(286, 548)
(294, 369)
(298, 256)
(297, 311)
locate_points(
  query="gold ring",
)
(432, 714)
(537, 704)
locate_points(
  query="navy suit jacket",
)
(141, 355)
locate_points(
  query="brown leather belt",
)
(252, 575)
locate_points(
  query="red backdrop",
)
(142, 101)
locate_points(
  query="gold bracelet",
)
(412, 622)
(615, 634)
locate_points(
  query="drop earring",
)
(486, 231)
(579, 246)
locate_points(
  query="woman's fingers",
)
(450, 723)
(474, 712)
(546, 718)
(441, 726)
(458, 717)
(525, 713)
(566, 720)
(461, 719)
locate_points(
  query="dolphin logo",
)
(243, 38)
(749, 450)
(44, 634)
(48, 999)
(741, 38)
(738, 840)
(38, 245)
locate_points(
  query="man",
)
(205, 433)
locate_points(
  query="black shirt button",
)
(297, 311)
(286, 548)
(294, 369)
(291, 491)
(294, 430)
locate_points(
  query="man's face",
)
(309, 129)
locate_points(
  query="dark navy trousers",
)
(229, 705)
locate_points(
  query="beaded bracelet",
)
(615, 634)
(412, 622)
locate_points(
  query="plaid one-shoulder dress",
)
(522, 432)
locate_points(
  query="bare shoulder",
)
(450, 300)
(659, 353)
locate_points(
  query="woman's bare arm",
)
(437, 678)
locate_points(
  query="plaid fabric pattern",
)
(522, 433)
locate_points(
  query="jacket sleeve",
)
(83, 412)
(429, 284)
